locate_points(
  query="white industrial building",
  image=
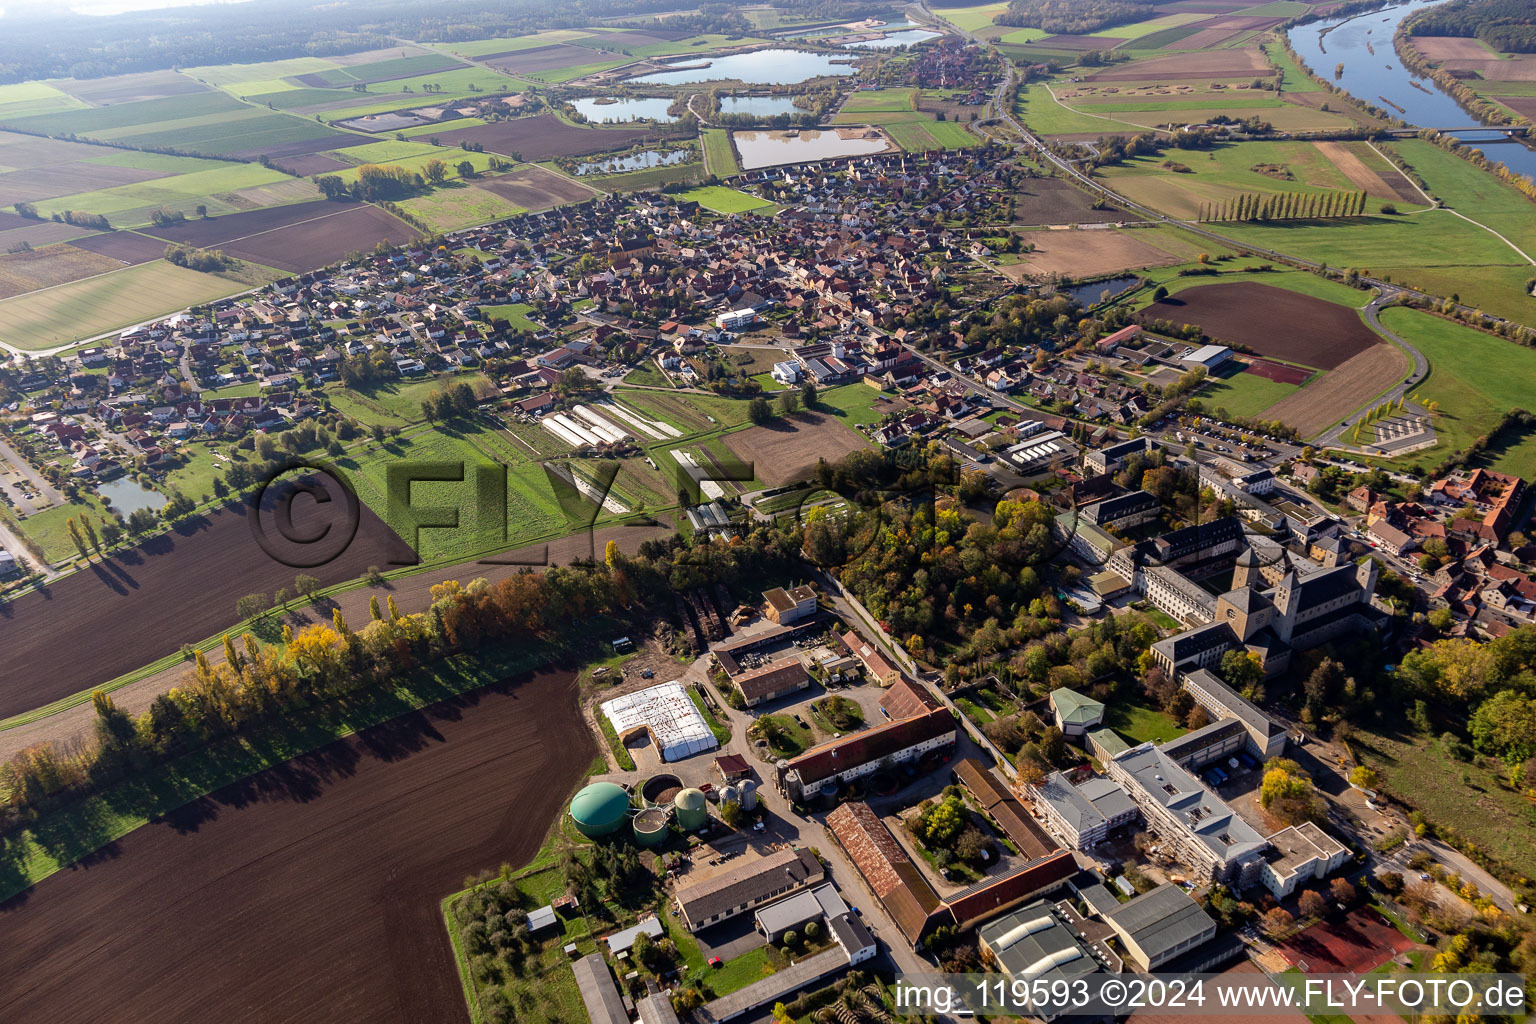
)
(668, 714)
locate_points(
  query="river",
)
(1380, 76)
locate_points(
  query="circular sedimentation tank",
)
(692, 809)
(660, 789)
(650, 826)
(600, 809)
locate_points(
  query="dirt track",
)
(309, 892)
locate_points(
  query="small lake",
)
(770, 149)
(758, 106)
(633, 162)
(127, 496)
(612, 111)
(1380, 79)
(1087, 295)
(759, 67)
(911, 37)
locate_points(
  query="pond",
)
(759, 67)
(634, 161)
(1086, 295)
(758, 106)
(610, 110)
(911, 37)
(770, 149)
(1379, 78)
(127, 496)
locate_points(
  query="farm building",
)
(668, 714)
(788, 606)
(747, 886)
(775, 679)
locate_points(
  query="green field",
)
(1042, 114)
(1227, 172)
(90, 120)
(1243, 394)
(1020, 36)
(532, 510)
(516, 314)
(457, 205)
(870, 100)
(649, 177)
(854, 404)
(506, 44)
(25, 98)
(719, 154)
(131, 205)
(919, 135)
(1474, 377)
(1291, 280)
(400, 67)
(691, 413)
(82, 309)
(724, 200)
(49, 529)
(395, 404)
(1145, 28)
(973, 19)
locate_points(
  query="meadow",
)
(719, 154)
(457, 205)
(724, 200)
(1474, 377)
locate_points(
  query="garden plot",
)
(590, 491)
(690, 464)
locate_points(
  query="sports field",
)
(83, 309)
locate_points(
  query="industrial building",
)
(1043, 943)
(668, 715)
(793, 913)
(778, 678)
(598, 991)
(1161, 925)
(789, 606)
(746, 886)
(918, 724)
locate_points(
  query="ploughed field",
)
(787, 450)
(1271, 321)
(293, 238)
(144, 603)
(308, 892)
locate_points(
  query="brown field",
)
(128, 247)
(1271, 321)
(178, 588)
(302, 147)
(545, 58)
(41, 268)
(1452, 48)
(40, 232)
(543, 137)
(1245, 63)
(1349, 163)
(1087, 253)
(1519, 68)
(151, 85)
(352, 60)
(1334, 395)
(23, 151)
(310, 164)
(1207, 38)
(1525, 106)
(786, 451)
(536, 188)
(293, 238)
(1054, 201)
(308, 892)
(49, 182)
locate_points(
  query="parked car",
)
(715, 961)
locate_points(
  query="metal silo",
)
(748, 795)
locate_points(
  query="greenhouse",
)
(668, 714)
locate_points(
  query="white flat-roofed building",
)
(1304, 853)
